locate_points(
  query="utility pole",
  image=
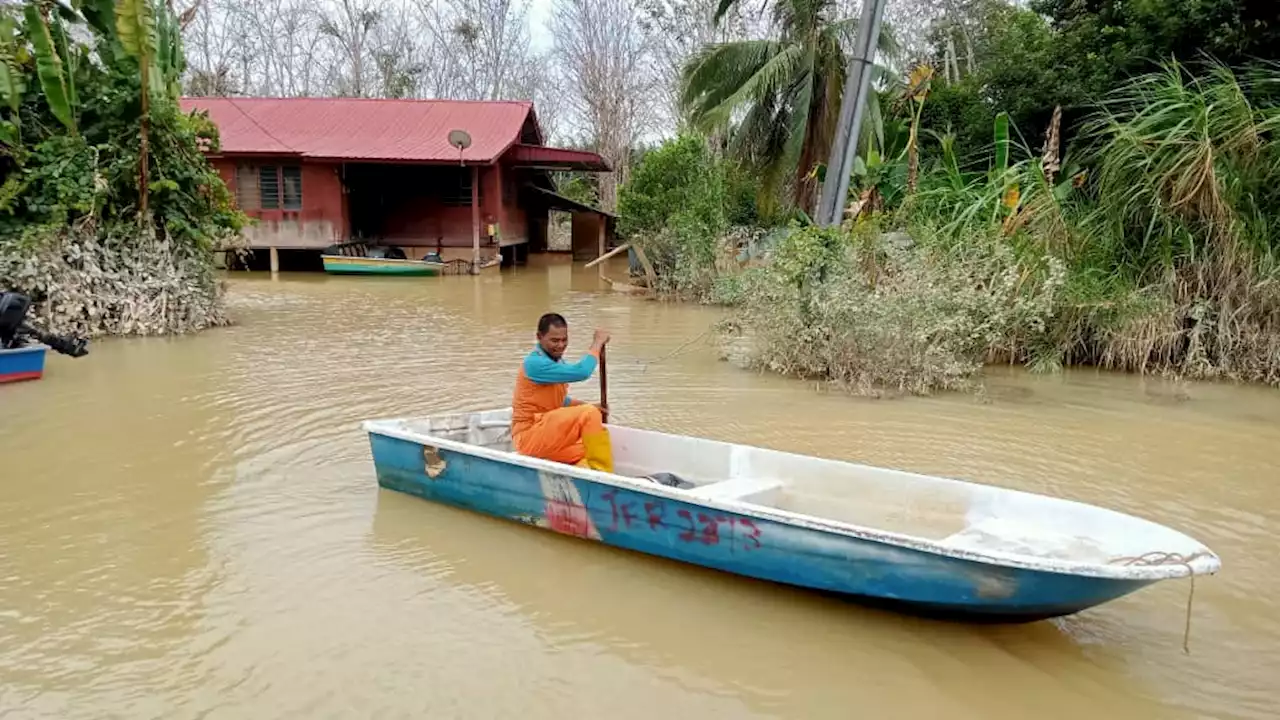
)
(853, 103)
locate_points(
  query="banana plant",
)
(170, 60)
(12, 85)
(136, 29)
(47, 34)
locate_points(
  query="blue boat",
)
(921, 544)
(24, 363)
(23, 347)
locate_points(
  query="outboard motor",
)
(16, 333)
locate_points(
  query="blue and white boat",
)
(24, 363)
(917, 543)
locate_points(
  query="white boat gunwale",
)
(1206, 563)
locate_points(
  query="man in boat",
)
(545, 421)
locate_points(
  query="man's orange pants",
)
(573, 435)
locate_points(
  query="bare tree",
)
(530, 80)
(479, 46)
(350, 28)
(399, 59)
(210, 48)
(679, 28)
(604, 55)
(255, 47)
(463, 49)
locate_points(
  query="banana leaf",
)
(49, 68)
(101, 16)
(136, 26)
(58, 29)
(11, 82)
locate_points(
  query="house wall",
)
(586, 236)
(419, 223)
(502, 205)
(321, 221)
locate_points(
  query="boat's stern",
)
(25, 363)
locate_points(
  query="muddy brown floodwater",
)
(191, 528)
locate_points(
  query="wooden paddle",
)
(604, 384)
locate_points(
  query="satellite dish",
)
(460, 139)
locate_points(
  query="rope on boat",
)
(1158, 558)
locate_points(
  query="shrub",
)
(874, 314)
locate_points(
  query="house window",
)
(269, 187)
(247, 187)
(279, 187)
(455, 186)
(291, 177)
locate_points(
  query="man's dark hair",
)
(550, 320)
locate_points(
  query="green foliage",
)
(11, 79)
(70, 187)
(1073, 54)
(101, 17)
(136, 28)
(808, 255)
(12, 84)
(667, 180)
(56, 186)
(1002, 144)
(874, 314)
(576, 187)
(1090, 189)
(1100, 44)
(170, 60)
(787, 92)
(1154, 250)
(1187, 167)
(675, 206)
(50, 65)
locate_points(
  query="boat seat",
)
(737, 489)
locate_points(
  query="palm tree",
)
(780, 97)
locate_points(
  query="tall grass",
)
(1186, 199)
(1154, 250)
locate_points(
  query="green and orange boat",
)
(353, 265)
(360, 258)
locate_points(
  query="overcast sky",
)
(539, 15)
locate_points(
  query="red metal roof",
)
(550, 157)
(367, 129)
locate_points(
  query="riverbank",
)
(879, 313)
(88, 285)
(109, 209)
(1149, 251)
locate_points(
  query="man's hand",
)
(600, 338)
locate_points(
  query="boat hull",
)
(25, 363)
(344, 265)
(862, 570)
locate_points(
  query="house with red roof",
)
(466, 179)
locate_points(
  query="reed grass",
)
(1152, 248)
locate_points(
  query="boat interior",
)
(951, 513)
